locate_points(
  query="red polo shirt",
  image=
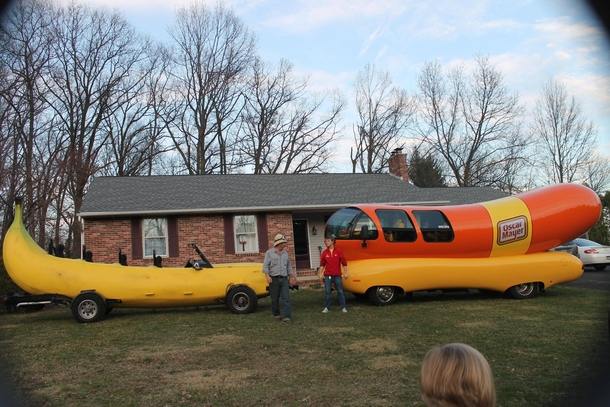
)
(332, 261)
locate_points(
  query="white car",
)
(589, 252)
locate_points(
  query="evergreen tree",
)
(425, 171)
(600, 233)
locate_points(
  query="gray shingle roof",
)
(111, 196)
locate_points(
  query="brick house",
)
(233, 218)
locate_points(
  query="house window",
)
(155, 237)
(246, 237)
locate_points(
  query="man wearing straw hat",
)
(278, 270)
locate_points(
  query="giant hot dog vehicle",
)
(500, 245)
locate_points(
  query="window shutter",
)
(172, 234)
(136, 238)
(229, 235)
(263, 238)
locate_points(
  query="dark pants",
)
(280, 287)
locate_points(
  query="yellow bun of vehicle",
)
(521, 276)
(97, 288)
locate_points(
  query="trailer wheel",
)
(523, 291)
(241, 300)
(382, 295)
(88, 307)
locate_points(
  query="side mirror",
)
(364, 233)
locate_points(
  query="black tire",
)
(382, 295)
(88, 307)
(241, 300)
(523, 291)
(599, 267)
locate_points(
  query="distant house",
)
(233, 218)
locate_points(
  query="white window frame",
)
(249, 236)
(164, 236)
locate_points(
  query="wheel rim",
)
(385, 294)
(524, 289)
(240, 301)
(87, 309)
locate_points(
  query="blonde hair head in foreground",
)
(456, 375)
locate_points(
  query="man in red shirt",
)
(330, 262)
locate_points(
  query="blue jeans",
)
(328, 281)
(280, 287)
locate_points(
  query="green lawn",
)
(542, 351)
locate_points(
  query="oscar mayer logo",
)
(512, 230)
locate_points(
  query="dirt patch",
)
(336, 330)
(373, 346)
(476, 324)
(210, 379)
(391, 362)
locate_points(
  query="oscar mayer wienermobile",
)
(93, 289)
(500, 245)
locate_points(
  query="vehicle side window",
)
(434, 226)
(396, 225)
(363, 220)
(347, 223)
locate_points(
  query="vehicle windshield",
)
(347, 224)
(585, 242)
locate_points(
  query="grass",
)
(542, 351)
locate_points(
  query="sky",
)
(529, 41)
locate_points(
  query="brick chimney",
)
(397, 164)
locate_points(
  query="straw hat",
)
(279, 239)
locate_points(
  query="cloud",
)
(371, 38)
(561, 29)
(304, 15)
(592, 90)
(321, 81)
(137, 5)
(502, 24)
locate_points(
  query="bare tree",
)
(214, 51)
(384, 111)
(284, 130)
(136, 129)
(565, 139)
(26, 39)
(94, 53)
(597, 173)
(472, 121)
(306, 145)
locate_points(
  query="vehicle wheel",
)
(384, 295)
(522, 291)
(88, 307)
(599, 267)
(241, 300)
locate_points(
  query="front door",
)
(301, 243)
